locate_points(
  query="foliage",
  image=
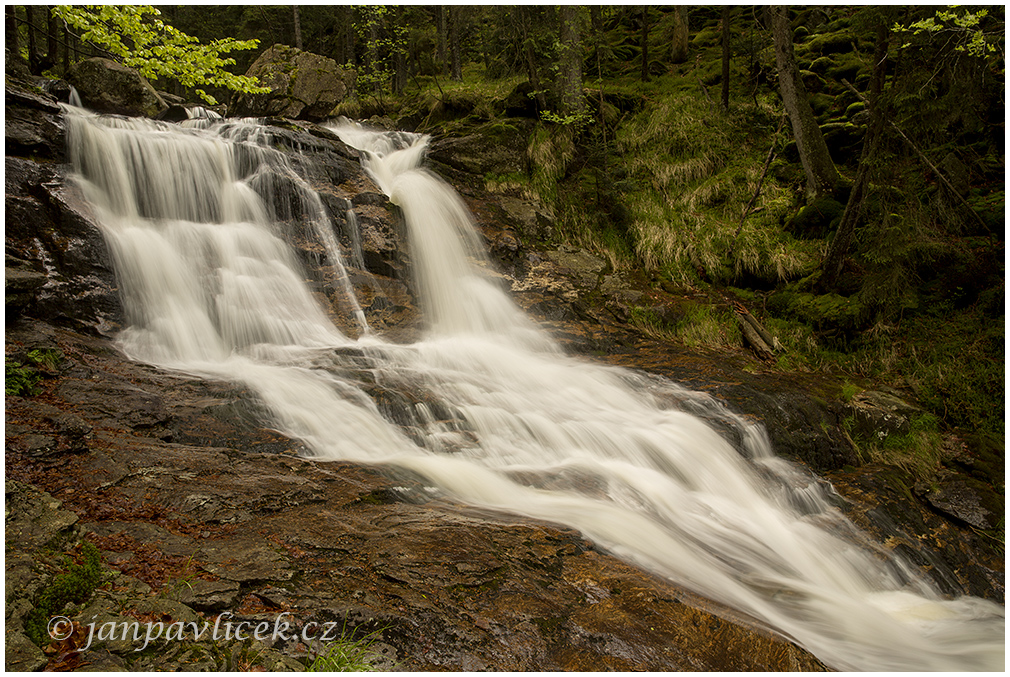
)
(965, 29)
(74, 585)
(136, 35)
(346, 654)
(385, 39)
(20, 380)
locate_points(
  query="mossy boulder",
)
(845, 67)
(844, 140)
(831, 43)
(812, 82)
(822, 65)
(820, 104)
(302, 85)
(816, 219)
(833, 314)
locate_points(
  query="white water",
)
(493, 413)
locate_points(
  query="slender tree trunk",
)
(645, 43)
(532, 72)
(33, 56)
(839, 247)
(399, 52)
(52, 58)
(570, 62)
(349, 37)
(679, 49)
(67, 42)
(725, 57)
(13, 41)
(298, 27)
(822, 177)
(441, 29)
(456, 70)
(596, 20)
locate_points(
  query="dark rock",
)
(109, 87)
(520, 102)
(32, 123)
(961, 498)
(21, 283)
(491, 150)
(878, 415)
(303, 85)
(49, 225)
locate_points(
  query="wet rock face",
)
(32, 124)
(109, 87)
(51, 232)
(204, 525)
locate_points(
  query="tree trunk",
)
(13, 41)
(843, 236)
(349, 50)
(399, 52)
(298, 27)
(456, 69)
(822, 177)
(596, 20)
(66, 48)
(33, 56)
(570, 62)
(441, 30)
(645, 43)
(725, 57)
(678, 52)
(532, 72)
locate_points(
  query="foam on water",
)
(492, 411)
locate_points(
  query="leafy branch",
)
(135, 35)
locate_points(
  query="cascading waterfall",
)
(493, 413)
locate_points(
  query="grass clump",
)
(919, 452)
(347, 654)
(694, 173)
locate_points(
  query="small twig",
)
(761, 181)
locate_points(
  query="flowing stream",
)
(490, 409)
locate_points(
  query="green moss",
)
(821, 311)
(74, 585)
(816, 219)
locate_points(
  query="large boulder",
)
(302, 85)
(109, 87)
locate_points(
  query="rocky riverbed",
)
(196, 509)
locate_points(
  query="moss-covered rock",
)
(302, 85)
(816, 219)
(844, 140)
(831, 43)
(822, 65)
(832, 314)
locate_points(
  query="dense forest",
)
(837, 170)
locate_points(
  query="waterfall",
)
(490, 409)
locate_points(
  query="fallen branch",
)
(754, 333)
